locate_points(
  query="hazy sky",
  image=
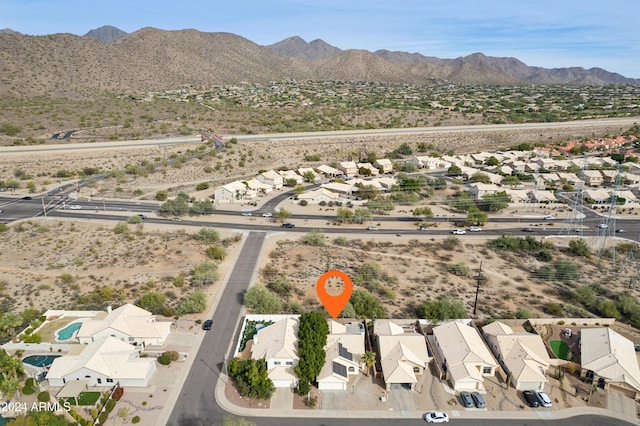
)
(547, 33)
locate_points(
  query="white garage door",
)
(282, 383)
(331, 386)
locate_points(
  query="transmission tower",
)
(575, 220)
(607, 227)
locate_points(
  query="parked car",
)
(531, 398)
(475, 229)
(423, 228)
(207, 324)
(467, 400)
(267, 215)
(621, 231)
(567, 332)
(372, 228)
(602, 226)
(436, 417)
(458, 232)
(478, 400)
(543, 398)
(528, 230)
(75, 207)
(549, 217)
(288, 225)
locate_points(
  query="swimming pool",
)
(40, 360)
(67, 332)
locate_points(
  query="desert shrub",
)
(281, 286)
(44, 396)
(553, 309)
(110, 405)
(303, 202)
(216, 252)
(117, 394)
(443, 309)
(544, 256)
(262, 301)
(450, 243)
(579, 248)
(315, 237)
(135, 419)
(340, 241)
(195, 302)
(523, 313)
(204, 274)
(207, 235)
(460, 269)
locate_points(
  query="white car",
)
(602, 226)
(543, 398)
(75, 207)
(372, 228)
(475, 229)
(549, 217)
(267, 215)
(436, 417)
(458, 232)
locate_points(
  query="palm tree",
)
(369, 359)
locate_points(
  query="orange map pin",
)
(334, 304)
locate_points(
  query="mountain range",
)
(108, 59)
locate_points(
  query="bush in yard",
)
(110, 405)
(117, 394)
(135, 419)
(103, 417)
(44, 396)
(167, 357)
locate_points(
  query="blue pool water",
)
(67, 332)
(40, 360)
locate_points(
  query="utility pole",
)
(475, 304)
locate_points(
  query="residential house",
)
(609, 177)
(319, 195)
(628, 197)
(348, 168)
(631, 179)
(303, 170)
(609, 359)
(368, 166)
(522, 355)
(542, 196)
(591, 177)
(402, 352)
(102, 363)
(461, 356)
(328, 171)
(344, 350)
(259, 186)
(277, 344)
(128, 323)
(384, 165)
(518, 195)
(290, 175)
(479, 189)
(341, 188)
(271, 178)
(598, 196)
(233, 192)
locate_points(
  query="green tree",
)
(298, 189)
(9, 321)
(161, 195)
(202, 186)
(207, 235)
(442, 310)
(176, 207)
(262, 301)
(121, 228)
(492, 161)
(39, 418)
(480, 177)
(367, 192)
(282, 215)
(344, 214)
(608, 309)
(315, 237)
(424, 212)
(152, 302)
(201, 208)
(204, 274)
(366, 305)
(495, 202)
(369, 359)
(380, 206)
(195, 302)
(476, 217)
(454, 171)
(361, 215)
(216, 252)
(579, 248)
(251, 377)
(312, 338)
(309, 176)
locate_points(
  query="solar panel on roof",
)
(344, 353)
(339, 369)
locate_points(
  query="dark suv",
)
(207, 324)
(531, 398)
(288, 225)
(467, 401)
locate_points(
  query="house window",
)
(99, 380)
(289, 362)
(486, 370)
(109, 380)
(352, 369)
(416, 369)
(277, 363)
(131, 339)
(87, 377)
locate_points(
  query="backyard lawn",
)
(88, 398)
(559, 348)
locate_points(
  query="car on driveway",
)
(466, 399)
(288, 225)
(478, 400)
(207, 324)
(543, 398)
(436, 417)
(531, 398)
(458, 232)
(528, 230)
(75, 207)
(475, 229)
